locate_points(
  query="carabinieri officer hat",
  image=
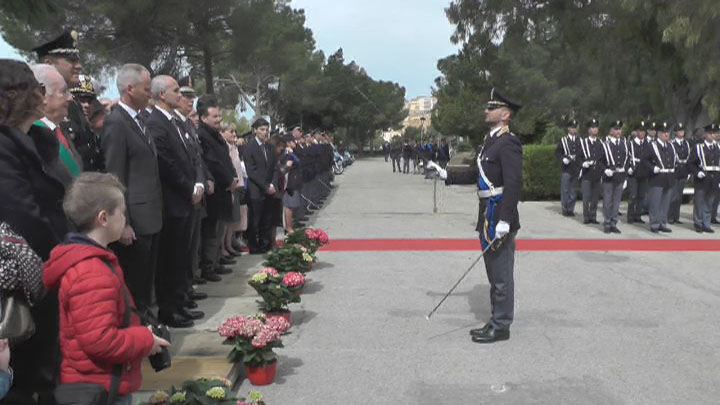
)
(85, 88)
(593, 123)
(497, 100)
(617, 124)
(63, 46)
(572, 124)
(663, 127)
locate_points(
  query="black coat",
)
(663, 158)
(711, 158)
(682, 151)
(294, 173)
(591, 152)
(638, 156)
(260, 168)
(501, 159)
(217, 159)
(175, 162)
(31, 195)
(130, 155)
(86, 142)
(616, 157)
(570, 149)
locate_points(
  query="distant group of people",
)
(655, 163)
(416, 153)
(151, 194)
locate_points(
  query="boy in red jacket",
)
(90, 295)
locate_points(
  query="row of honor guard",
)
(654, 164)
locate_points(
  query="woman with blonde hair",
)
(238, 222)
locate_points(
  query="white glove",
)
(631, 171)
(566, 161)
(502, 229)
(656, 170)
(586, 164)
(442, 173)
(608, 172)
(701, 175)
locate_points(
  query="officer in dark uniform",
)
(614, 162)
(682, 173)
(704, 164)
(497, 172)
(568, 152)
(637, 174)
(591, 151)
(63, 53)
(661, 164)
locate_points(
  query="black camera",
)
(162, 360)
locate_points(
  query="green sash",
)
(66, 156)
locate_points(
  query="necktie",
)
(176, 124)
(140, 122)
(264, 152)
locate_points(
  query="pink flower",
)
(310, 233)
(232, 326)
(269, 271)
(293, 279)
(264, 337)
(323, 238)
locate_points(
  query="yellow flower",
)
(159, 397)
(216, 393)
(307, 257)
(259, 277)
(177, 398)
(255, 396)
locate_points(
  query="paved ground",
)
(590, 327)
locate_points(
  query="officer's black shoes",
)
(586, 221)
(222, 270)
(714, 221)
(175, 320)
(679, 222)
(607, 230)
(639, 221)
(594, 221)
(211, 276)
(226, 260)
(481, 331)
(615, 230)
(197, 296)
(698, 229)
(708, 230)
(653, 230)
(665, 229)
(191, 315)
(491, 335)
(190, 304)
(199, 281)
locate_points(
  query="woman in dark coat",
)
(31, 203)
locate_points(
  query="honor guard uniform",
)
(76, 125)
(637, 174)
(704, 164)
(591, 152)
(86, 141)
(661, 163)
(497, 172)
(568, 152)
(614, 162)
(682, 173)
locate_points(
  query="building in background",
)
(417, 108)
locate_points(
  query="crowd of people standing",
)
(416, 153)
(154, 186)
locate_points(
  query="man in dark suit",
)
(131, 156)
(260, 164)
(591, 151)
(219, 194)
(497, 172)
(637, 174)
(661, 165)
(614, 163)
(180, 191)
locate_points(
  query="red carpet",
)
(638, 245)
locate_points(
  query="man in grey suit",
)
(130, 154)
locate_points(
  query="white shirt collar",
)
(259, 142)
(494, 131)
(48, 123)
(638, 141)
(572, 137)
(133, 113)
(165, 113)
(709, 143)
(179, 114)
(614, 140)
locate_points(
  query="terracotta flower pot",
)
(285, 314)
(261, 375)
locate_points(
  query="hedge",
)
(541, 173)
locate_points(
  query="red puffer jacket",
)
(91, 316)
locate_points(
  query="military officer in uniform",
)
(63, 53)
(704, 164)
(661, 164)
(568, 152)
(682, 173)
(637, 174)
(498, 175)
(614, 162)
(591, 152)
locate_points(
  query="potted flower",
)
(310, 238)
(277, 290)
(253, 340)
(205, 391)
(288, 258)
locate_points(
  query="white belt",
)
(620, 170)
(591, 162)
(636, 160)
(683, 161)
(490, 193)
(667, 171)
(712, 169)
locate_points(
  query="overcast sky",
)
(395, 40)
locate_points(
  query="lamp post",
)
(422, 128)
